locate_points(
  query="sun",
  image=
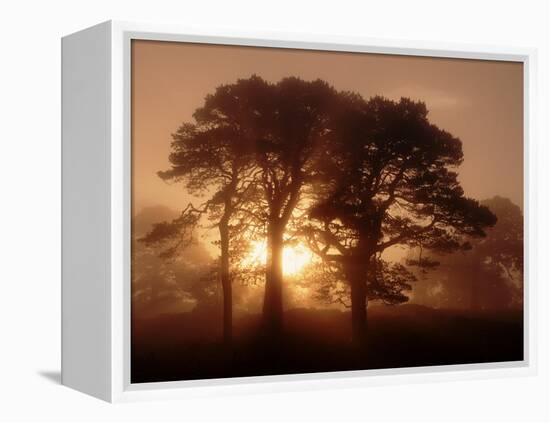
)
(295, 257)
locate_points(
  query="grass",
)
(188, 346)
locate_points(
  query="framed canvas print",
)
(253, 212)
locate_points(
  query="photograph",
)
(298, 211)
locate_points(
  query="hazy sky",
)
(481, 102)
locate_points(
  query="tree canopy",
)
(387, 178)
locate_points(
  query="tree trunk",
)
(225, 277)
(357, 274)
(475, 280)
(273, 295)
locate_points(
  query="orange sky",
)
(481, 102)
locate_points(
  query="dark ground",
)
(188, 346)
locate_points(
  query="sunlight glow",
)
(295, 257)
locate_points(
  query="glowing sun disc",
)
(295, 257)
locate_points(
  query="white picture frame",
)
(96, 182)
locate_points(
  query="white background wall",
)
(30, 207)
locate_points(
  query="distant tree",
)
(386, 179)
(489, 275)
(213, 157)
(503, 247)
(157, 285)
